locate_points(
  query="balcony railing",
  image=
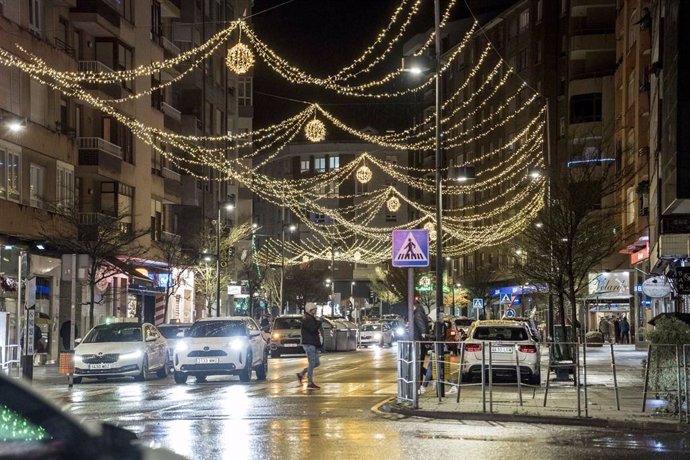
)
(172, 175)
(169, 46)
(64, 47)
(93, 67)
(171, 111)
(100, 144)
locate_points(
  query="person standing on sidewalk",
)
(311, 342)
(420, 327)
(625, 330)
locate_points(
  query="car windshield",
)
(463, 322)
(217, 329)
(118, 332)
(173, 332)
(371, 327)
(500, 333)
(288, 323)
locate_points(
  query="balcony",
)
(64, 47)
(597, 41)
(172, 184)
(170, 48)
(100, 157)
(114, 90)
(96, 17)
(171, 8)
(170, 111)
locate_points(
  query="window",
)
(64, 180)
(304, 166)
(156, 95)
(35, 16)
(244, 91)
(537, 52)
(36, 185)
(524, 21)
(391, 217)
(521, 62)
(561, 127)
(320, 164)
(115, 55)
(124, 8)
(120, 135)
(156, 28)
(333, 162)
(392, 159)
(630, 206)
(361, 188)
(585, 108)
(332, 190)
(564, 7)
(117, 199)
(10, 175)
(317, 218)
(156, 220)
(539, 10)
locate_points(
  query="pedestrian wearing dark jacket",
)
(421, 333)
(311, 342)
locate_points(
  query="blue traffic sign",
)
(410, 248)
(510, 313)
(478, 303)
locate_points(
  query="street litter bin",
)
(342, 333)
(66, 365)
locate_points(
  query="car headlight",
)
(399, 331)
(276, 335)
(132, 355)
(377, 336)
(78, 359)
(237, 344)
(182, 346)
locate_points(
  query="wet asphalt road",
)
(225, 419)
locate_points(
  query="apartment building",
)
(59, 152)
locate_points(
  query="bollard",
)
(415, 368)
(462, 357)
(548, 374)
(577, 379)
(483, 377)
(491, 383)
(615, 379)
(680, 402)
(685, 378)
(646, 378)
(517, 373)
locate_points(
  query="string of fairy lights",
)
(491, 99)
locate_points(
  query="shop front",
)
(609, 298)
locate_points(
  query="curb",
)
(394, 411)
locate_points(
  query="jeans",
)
(312, 360)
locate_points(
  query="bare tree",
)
(572, 236)
(477, 283)
(251, 273)
(110, 243)
(178, 261)
(306, 283)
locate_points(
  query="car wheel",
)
(144, 370)
(246, 373)
(180, 377)
(262, 369)
(162, 372)
(76, 380)
(275, 354)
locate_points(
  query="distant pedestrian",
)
(604, 329)
(616, 330)
(65, 334)
(311, 342)
(625, 330)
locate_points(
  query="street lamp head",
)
(255, 225)
(462, 173)
(229, 206)
(328, 280)
(539, 225)
(292, 227)
(535, 173)
(353, 283)
(447, 258)
(418, 65)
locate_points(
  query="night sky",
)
(320, 37)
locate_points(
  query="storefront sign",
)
(639, 256)
(611, 284)
(656, 286)
(683, 280)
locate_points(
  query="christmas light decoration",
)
(393, 204)
(240, 59)
(363, 174)
(315, 131)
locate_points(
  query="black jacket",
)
(421, 325)
(310, 330)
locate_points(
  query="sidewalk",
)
(502, 403)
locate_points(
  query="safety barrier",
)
(452, 372)
(9, 355)
(674, 358)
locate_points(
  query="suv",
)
(230, 345)
(286, 335)
(507, 338)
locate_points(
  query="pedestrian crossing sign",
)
(410, 248)
(478, 303)
(506, 299)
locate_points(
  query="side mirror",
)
(150, 338)
(77, 341)
(254, 333)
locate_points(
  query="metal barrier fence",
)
(9, 355)
(673, 358)
(452, 372)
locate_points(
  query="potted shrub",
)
(594, 339)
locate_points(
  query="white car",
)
(121, 350)
(507, 339)
(375, 334)
(231, 345)
(173, 333)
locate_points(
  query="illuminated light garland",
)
(240, 59)
(363, 174)
(315, 131)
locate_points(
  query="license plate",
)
(501, 350)
(292, 344)
(101, 366)
(366, 337)
(206, 360)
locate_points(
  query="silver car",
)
(379, 334)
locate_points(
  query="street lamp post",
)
(292, 228)
(227, 207)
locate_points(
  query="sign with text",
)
(410, 248)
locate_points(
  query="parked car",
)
(230, 345)
(463, 324)
(375, 334)
(121, 350)
(397, 325)
(286, 335)
(453, 334)
(173, 333)
(43, 430)
(507, 339)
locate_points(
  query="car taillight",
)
(527, 349)
(473, 347)
(452, 332)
